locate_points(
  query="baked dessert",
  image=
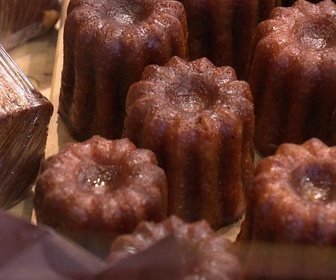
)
(107, 44)
(222, 30)
(293, 196)
(291, 76)
(100, 188)
(203, 254)
(21, 20)
(287, 3)
(290, 214)
(24, 119)
(200, 125)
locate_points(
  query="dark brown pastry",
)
(291, 76)
(222, 30)
(203, 254)
(199, 121)
(293, 196)
(97, 189)
(292, 206)
(21, 20)
(24, 119)
(107, 44)
(287, 3)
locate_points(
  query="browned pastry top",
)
(303, 174)
(130, 16)
(101, 182)
(207, 93)
(295, 191)
(302, 29)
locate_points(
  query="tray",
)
(59, 136)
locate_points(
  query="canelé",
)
(290, 217)
(203, 254)
(107, 44)
(94, 190)
(198, 119)
(21, 20)
(292, 76)
(222, 30)
(293, 196)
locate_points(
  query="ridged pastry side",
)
(199, 121)
(291, 75)
(106, 46)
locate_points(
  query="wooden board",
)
(58, 134)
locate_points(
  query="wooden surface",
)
(58, 134)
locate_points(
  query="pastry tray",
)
(58, 133)
(48, 82)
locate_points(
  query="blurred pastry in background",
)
(21, 20)
(201, 253)
(222, 30)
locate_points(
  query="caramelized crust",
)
(107, 44)
(100, 187)
(290, 215)
(291, 76)
(288, 3)
(198, 119)
(293, 196)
